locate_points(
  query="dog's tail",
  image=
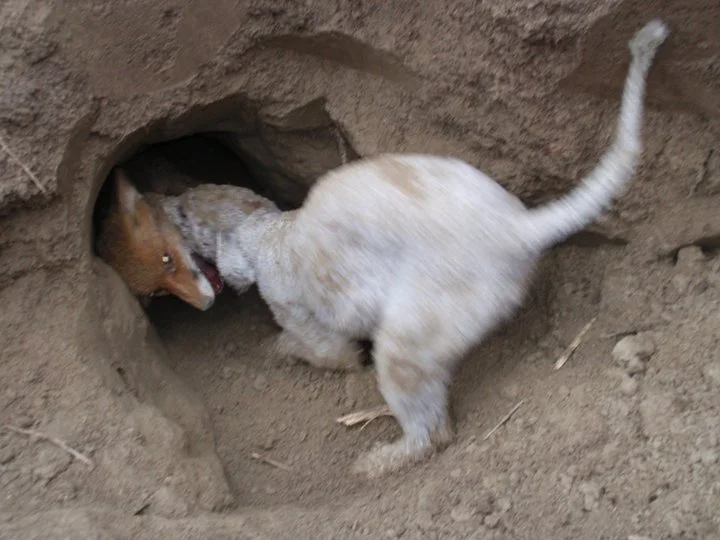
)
(556, 221)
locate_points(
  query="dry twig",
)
(13, 156)
(270, 461)
(504, 420)
(573, 345)
(53, 440)
(366, 416)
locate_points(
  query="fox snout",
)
(196, 291)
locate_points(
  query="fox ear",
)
(126, 193)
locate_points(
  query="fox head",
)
(145, 248)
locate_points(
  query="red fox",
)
(138, 240)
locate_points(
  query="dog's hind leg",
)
(422, 337)
(414, 379)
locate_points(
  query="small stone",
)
(566, 481)
(260, 383)
(706, 457)
(491, 521)
(461, 513)
(628, 386)
(674, 527)
(680, 284)
(637, 537)
(591, 492)
(633, 350)
(504, 505)
(226, 372)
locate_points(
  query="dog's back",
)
(367, 227)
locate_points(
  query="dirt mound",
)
(170, 406)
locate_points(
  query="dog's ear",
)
(232, 263)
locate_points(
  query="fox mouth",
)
(210, 272)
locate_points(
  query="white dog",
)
(425, 255)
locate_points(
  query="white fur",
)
(425, 255)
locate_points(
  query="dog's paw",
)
(386, 459)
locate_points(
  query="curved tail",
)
(556, 221)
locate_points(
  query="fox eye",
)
(167, 261)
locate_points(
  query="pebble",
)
(674, 527)
(483, 504)
(632, 352)
(706, 457)
(680, 283)
(491, 521)
(504, 505)
(629, 386)
(591, 492)
(637, 537)
(566, 481)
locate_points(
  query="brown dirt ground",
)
(170, 405)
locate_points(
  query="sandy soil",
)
(170, 405)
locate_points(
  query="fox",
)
(139, 241)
